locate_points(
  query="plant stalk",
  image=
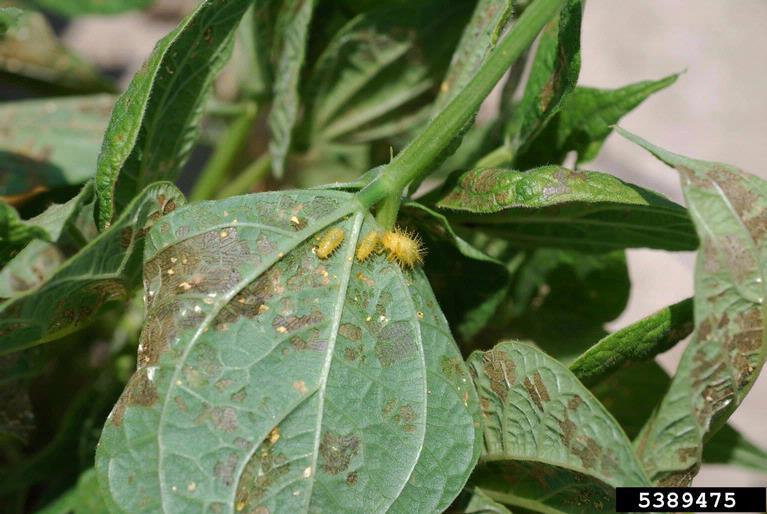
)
(225, 154)
(415, 161)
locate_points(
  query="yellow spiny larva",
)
(329, 242)
(404, 247)
(368, 245)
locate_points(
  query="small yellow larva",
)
(368, 245)
(329, 241)
(404, 247)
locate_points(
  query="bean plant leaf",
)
(633, 393)
(31, 52)
(640, 341)
(553, 206)
(82, 7)
(292, 32)
(585, 121)
(83, 498)
(553, 76)
(728, 348)
(449, 256)
(106, 269)
(479, 37)
(155, 122)
(379, 72)
(549, 444)
(50, 143)
(481, 503)
(15, 233)
(270, 377)
(62, 229)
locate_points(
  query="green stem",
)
(415, 161)
(225, 154)
(499, 156)
(253, 174)
(387, 212)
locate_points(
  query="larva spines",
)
(329, 242)
(404, 247)
(368, 245)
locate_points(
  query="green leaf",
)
(449, 257)
(82, 7)
(638, 342)
(585, 121)
(380, 71)
(728, 348)
(553, 206)
(15, 233)
(83, 498)
(728, 446)
(480, 35)
(549, 444)
(553, 76)
(268, 376)
(292, 32)
(67, 227)
(106, 269)
(31, 53)
(155, 122)
(50, 143)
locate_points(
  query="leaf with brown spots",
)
(728, 347)
(155, 123)
(549, 443)
(553, 76)
(553, 206)
(105, 269)
(272, 380)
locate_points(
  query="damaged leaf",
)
(270, 377)
(549, 444)
(106, 269)
(728, 347)
(553, 206)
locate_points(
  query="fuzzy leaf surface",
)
(155, 122)
(50, 143)
(554, 206)
(271, 379)
(728, 348)
(638, 342)
(549, 444)
(106, 269)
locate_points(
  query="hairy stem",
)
(415, 161)
(225, 154)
